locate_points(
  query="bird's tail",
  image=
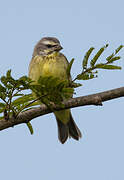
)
(68, 130)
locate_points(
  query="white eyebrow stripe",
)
(48, 42)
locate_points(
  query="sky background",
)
(99, 155)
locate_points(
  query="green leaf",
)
(86, 57)
(110, 57)
(8, 82)
(51, 83)
(2, 109)
(36, 103)
(93, 61)
(75, 85)
(118, 49)
(2, 105)
(114, 59)
(30, 127)
(11, 82)
(69, 67)
(91, 76)
(87, 76)
(83, 77)
(8, 74)
(68, 90)
(23, 99)
(24, 78)
(2, 89)
(3, 96)
(107, 66)
(24, 83)
(3, 80)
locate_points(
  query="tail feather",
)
(68, 130)
(62, 131)
(74, 131)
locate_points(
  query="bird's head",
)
(46, 46)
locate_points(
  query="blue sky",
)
(78, 25)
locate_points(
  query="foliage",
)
(11, 89)
(88, 72)
(48, 90)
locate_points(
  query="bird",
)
(48, 61)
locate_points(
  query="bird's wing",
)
(35, 67)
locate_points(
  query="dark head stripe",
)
(50, 39)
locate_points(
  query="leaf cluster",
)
(14, 99)
(12, 95)
(90, 67)
(50, 89)
(10, 89)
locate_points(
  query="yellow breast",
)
(52, 65)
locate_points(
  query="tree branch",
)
(94, 99)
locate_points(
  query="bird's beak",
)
(59, 47)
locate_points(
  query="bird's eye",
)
(49, 45)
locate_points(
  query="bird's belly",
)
(55, 69)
